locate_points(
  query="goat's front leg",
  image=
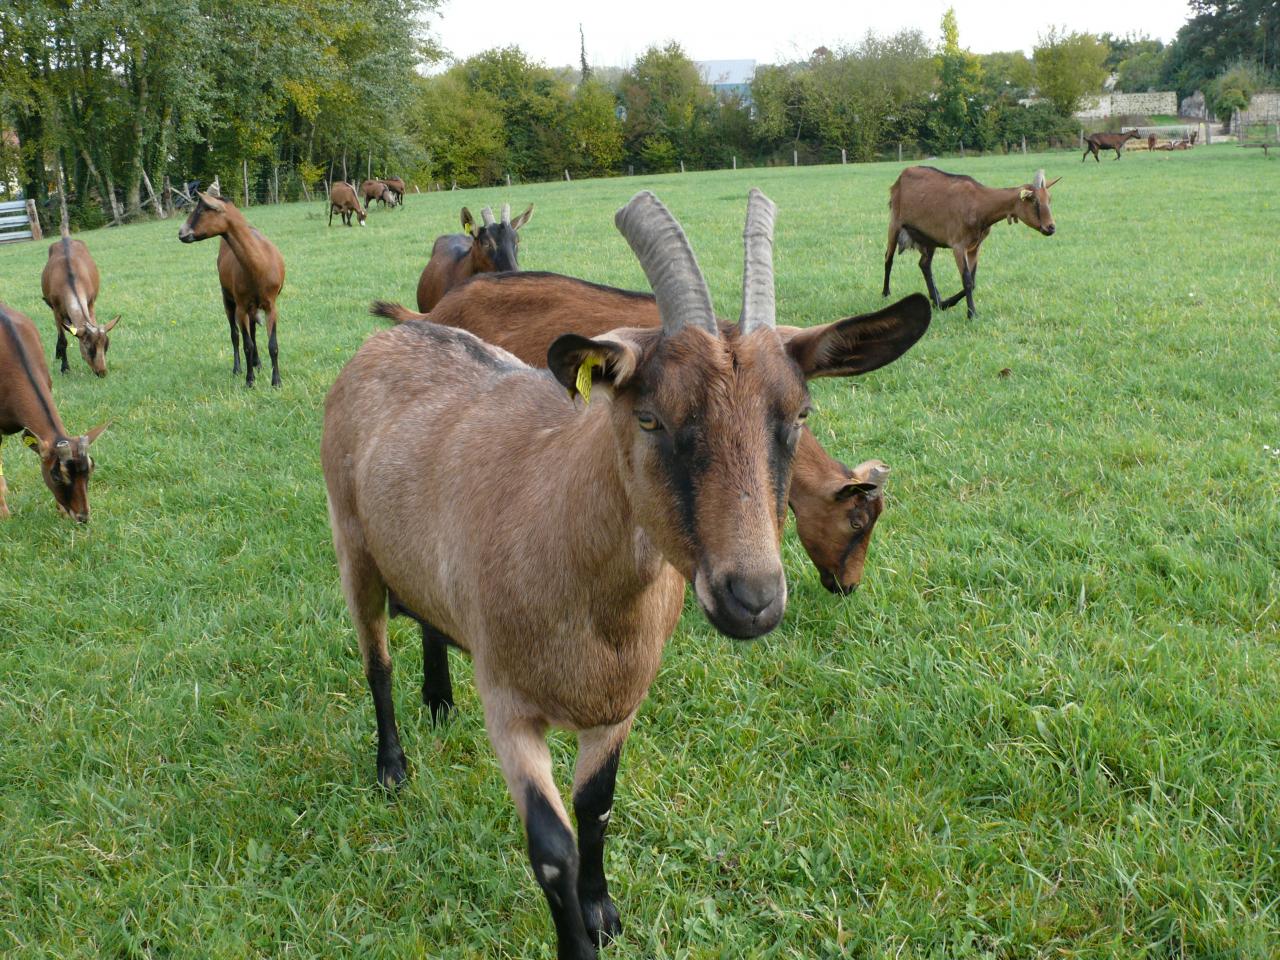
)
(60, 351)
(229, 305)
(244, 320)
(970, 276)
(4, 487)
(526, 764)
(593, 783)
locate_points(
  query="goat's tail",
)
(394, 312)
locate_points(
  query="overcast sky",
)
(617, 33)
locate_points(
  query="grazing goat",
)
(553, 540)
(931, 209)
(26, 404)
(251, 272)
(396, 189)
(343, 199)
(1107, 141)
(835, 507)
(70, 285)
(372, 190)
(456, 256)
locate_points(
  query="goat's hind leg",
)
(593, 784)
(4, 487)
(366, 594)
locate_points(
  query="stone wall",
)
(1263, 108)
(1128, 104)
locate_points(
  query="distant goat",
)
(395, 189)
(457, 256)
(1151, 141)
(931, 209)
(372, 190)
(70, 285)
(251, 272)
(26, 404)
(836, 507)
(554, 539)
(343, 199)
(1107, 141)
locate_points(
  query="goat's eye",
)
(803, 415)
(648, 421)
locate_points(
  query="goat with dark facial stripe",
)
(26, 404)
(553, 539)
(70, 285)
(494, 246)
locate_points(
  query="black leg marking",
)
(592, 806)
(391, 764)
(229, 304)
(970, 282)
(554, 859)
(437, 688)
(274, 350)
(888, 267)
(926, 267)
(60, 352)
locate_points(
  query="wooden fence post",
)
(246, 182)
(844, 156)
(1024, 144)
(566, 176)
(735, 162)
(795, 158)
(34, 217)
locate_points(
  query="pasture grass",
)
(1046, 726)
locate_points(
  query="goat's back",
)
(69, 261)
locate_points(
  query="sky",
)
(616, 33)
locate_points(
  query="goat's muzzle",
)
(833, 584)
(1049, 231)
(742, 605)
(186, 235)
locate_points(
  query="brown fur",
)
(251, 272)
(69, 284)
(343, 200)
(26, 405)
(396, 187)
(929, 209)
(455, 257)
(372, 190)
(552, 539)
(523, 313)
(1107, 141)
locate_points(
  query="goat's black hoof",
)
(602, 921)
(392, 771)
(275, 381)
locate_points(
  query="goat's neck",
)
(998, 204)
(247, 248)
(32, 403)
(814, 464)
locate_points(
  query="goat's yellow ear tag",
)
(31, 441)
(584, 376)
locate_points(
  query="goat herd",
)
(448, 454)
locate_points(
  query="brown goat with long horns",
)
(251, 272)
(835, 507)
(26, 404)
(69, 284)
(931, 209)
(344, 202)
(553, 540)
(455, 257)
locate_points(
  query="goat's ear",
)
(609, 358)
(35, 444)
(97, 431)
(859, 344)
(524, 218)
(852, 487)
(1026, 194)
(112, 325)
(468, 223)
(212, 202)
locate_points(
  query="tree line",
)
(121, 94)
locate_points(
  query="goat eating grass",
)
(553, 539)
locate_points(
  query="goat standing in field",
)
(836, 507)
(251, 273)
(343, 199)
(553, 540)
(1107, 141)
(931, 209)
(395, 190)
(70, 285)
(372, 190)
(493, 248)
(26, 404)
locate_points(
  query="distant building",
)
(729, 76)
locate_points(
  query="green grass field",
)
(1047, 726)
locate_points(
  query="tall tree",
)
(1069, 66)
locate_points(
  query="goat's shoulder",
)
(453, 246)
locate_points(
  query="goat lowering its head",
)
(494, 247)
(553, 540)
(69, 284)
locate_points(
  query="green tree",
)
(595, 132)
(958, 112)
(667, 108)
(462, 130)
(1234, 89)
(1069, 66)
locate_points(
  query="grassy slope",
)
(1046, 726)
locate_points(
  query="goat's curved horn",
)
(487, 216)
(506, 213)
(668, 262)
(758, 304)
(1038, 182)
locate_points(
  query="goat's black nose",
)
(1050, 230)
(754, 593)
